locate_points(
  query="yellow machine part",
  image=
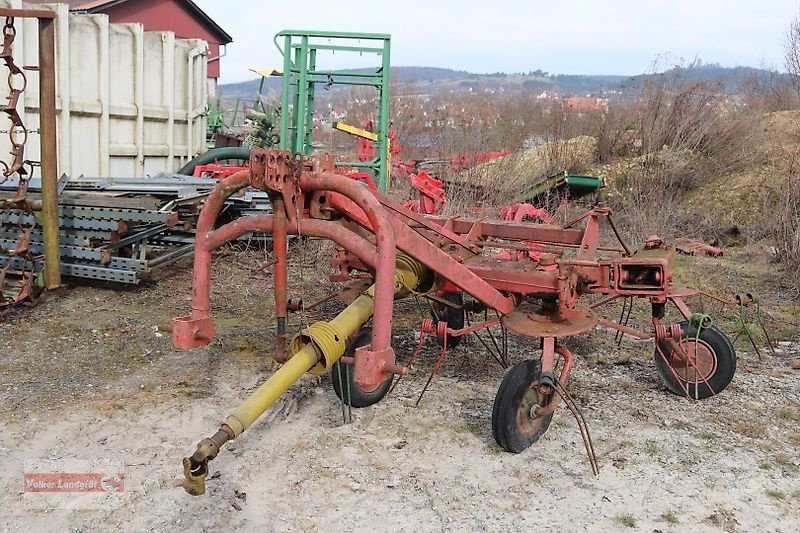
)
(321, 345)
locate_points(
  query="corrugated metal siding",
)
(137, 100)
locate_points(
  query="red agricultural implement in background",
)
(389, 252)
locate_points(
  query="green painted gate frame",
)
(300, 77)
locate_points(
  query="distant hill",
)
(731, 77)
(434, 79)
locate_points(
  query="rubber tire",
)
(507, 402)
(358, 398)
(453, 317)
(722, 348)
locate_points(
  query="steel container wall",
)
(137, 100)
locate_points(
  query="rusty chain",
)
(18, 137)
(17, 83)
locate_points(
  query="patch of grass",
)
(626, 520)
(465, 427)
(670, 517)
(724, 519)
(788, 414)
(494, 449)
(750, 428)
(779, 373)
(765, 466)
(795, 437)
(652, 447)
(625, 383)
(776, 494)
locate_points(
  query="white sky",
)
(557, 36)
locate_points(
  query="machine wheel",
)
(715, 361)
(512, 424)
(343, 381)
(453, 317)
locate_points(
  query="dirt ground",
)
(86, 376)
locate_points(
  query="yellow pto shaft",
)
(314, 349)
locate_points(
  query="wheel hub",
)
(701, 365)
(527, 421)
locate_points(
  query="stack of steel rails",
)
(118, 229)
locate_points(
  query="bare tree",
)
(792, 52)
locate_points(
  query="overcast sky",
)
(557, 36)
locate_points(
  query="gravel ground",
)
(85, 376)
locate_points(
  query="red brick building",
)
(183, 17)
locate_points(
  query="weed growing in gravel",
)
(670, 517)
(465, 427)
(788, 414)
(494, 448)
(626, 520)
(652, 448)
(776, 494)
(723, 518)
(750, 428)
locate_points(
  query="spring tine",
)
(433, 372)
(412, 358)
(760, 320)
(583, 427)
(617, 334)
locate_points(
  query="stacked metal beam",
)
(119, 229)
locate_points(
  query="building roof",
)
(99, 6)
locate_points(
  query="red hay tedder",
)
(402, 253)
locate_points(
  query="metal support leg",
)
(47, 126)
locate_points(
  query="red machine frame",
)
(535, 295)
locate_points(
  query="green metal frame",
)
(563, 181)
(300, 77)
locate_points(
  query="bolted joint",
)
(189, 333)
(277, 171)
(372, 367)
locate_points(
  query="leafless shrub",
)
(613, 130)
(787, 223)
(685, 133)
(646, 199)
(770, 91)
(698, 117)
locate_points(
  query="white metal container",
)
(137, 100)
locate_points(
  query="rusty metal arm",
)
(414, 244)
